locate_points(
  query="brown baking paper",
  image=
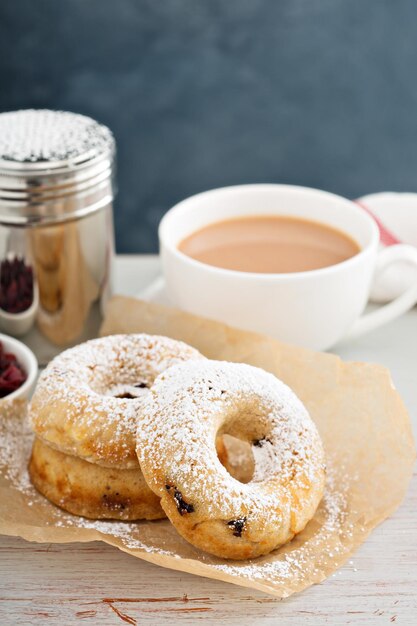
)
(361, 418)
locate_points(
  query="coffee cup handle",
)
(403, 303)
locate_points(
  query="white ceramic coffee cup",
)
(315, 309)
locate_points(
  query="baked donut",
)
(87, 400)
(94, 491)
(188, 407)
(84, 413)
(91, 490)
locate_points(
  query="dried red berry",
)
(16, 285)
(12, 374)
(238, 526)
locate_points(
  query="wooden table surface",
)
(96, 584)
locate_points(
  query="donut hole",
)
(245, 437)
(119, 379)
(239, 460)
(119, 384)
(128, 391)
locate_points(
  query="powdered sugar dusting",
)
(306, 558)
(187, 406)
(72, 409)
(325, 539)
(15, 443)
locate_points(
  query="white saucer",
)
(155, 292)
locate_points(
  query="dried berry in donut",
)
(190, 405)
(85, 412)
(87, 400)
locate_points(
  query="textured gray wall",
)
(204, 93)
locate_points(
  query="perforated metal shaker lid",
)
(54, 166)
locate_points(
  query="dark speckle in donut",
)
(113, 502)
(126, 396)
(259, 443)
(238, 525)
(211, 387)
(182, 506)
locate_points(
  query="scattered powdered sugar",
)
(325, 540)
(309, 557)
(72, 409)
(128, 532)
(191, 402)
(43, 135)
(15, 444)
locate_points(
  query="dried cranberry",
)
(12, 374)
(16, 285)
(238, 526)
(182, 506)
(259, 443)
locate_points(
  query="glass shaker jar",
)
(56, 227)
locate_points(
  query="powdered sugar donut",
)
(91, 490)
(88, 399)
(192, 403)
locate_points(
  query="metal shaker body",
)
(56, 221)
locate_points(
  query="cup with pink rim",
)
(314, 309)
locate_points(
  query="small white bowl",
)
(29, 363)
(18, 324)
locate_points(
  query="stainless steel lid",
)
(54, 166)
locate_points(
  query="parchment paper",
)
(361, 418)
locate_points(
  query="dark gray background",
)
(205, 93)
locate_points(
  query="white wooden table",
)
(96, 584)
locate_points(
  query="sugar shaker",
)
(56, 226)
